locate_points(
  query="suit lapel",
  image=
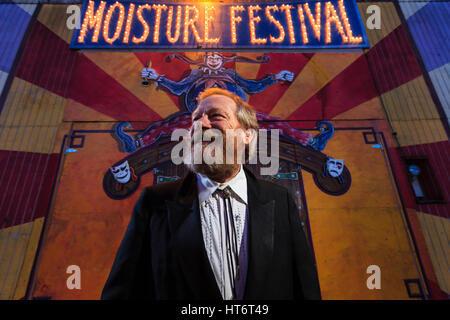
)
(260, 237)
(187, 241)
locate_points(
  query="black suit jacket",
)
(162, 255)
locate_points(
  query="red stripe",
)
(347, 90)
(174, 70)
(393, 61)
(392, 64)
(266, 100)
(26, 180)
(436, 292)
(47, 61)
(94, 88)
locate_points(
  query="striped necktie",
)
(231, 240)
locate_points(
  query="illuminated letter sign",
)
(301, 24)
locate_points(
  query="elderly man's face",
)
(219, 112)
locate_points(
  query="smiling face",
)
(335, 167)
(219, 112)
(121, 172)
(214, 61)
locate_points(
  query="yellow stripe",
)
(54, 17)
(248, 70)
(193, 55)
(427, 108)
(368, 110)
(391, 112)
(413, 115)
(126, 68)
(436, 230)
(22, 282)
(76, 111)
(13, 243)
(30, 118)
(322, 68)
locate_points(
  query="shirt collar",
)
(238, 184)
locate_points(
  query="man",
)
(219, 233)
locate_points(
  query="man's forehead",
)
(216, 102)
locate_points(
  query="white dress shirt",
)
(212, 213)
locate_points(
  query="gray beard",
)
(215, 172)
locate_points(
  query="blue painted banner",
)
(164, 25)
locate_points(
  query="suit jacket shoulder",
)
(269, 189)
(164, 191)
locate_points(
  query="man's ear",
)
(249, 134)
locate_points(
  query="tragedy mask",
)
(335, 167)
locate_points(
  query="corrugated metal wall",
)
(402, 58)
(14, 238)
(428, 25)
(14, 20)
(29, 120)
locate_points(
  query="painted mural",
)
(334, 168)
(92, 128)
(211, 72)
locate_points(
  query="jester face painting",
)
(214, 61)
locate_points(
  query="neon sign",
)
(156, 25)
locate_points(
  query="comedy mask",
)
(122, 172)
